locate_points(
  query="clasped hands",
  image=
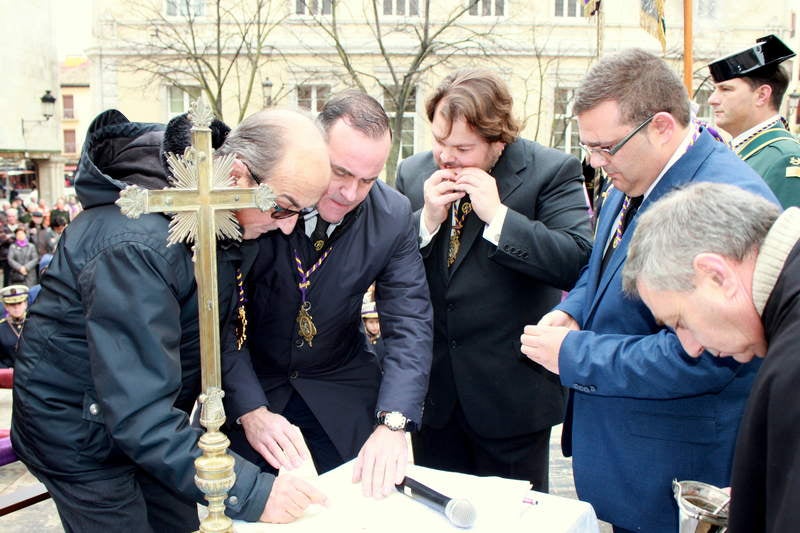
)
(542, 342)
(449, 185)
(381, 463)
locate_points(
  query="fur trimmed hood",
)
(118, 153)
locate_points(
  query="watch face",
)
(395, 421)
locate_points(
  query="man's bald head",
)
(285, 150)
(284, 145)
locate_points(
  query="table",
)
(499, 504)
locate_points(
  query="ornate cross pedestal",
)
(202, 201)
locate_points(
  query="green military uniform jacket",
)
(775, 154)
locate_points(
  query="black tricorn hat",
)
(768, 52)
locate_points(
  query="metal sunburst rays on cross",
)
(190, 190)
(183, 225)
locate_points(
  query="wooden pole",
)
(599, 15)
(688, 54)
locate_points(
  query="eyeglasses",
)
(278, 212)
(609, 152)
(253, 175)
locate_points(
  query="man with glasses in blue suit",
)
(641, 411)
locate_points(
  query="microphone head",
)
(461, 513)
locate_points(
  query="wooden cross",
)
(201, 201)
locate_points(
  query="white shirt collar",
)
(310, 222)
(761, 125)
(677, 154)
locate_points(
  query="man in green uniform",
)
(749, 86)
(15, 302)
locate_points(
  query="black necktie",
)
(320, 234)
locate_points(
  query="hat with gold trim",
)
(759, 60)
(14, 294)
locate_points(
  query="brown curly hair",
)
(482, 99)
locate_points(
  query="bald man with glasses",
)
(108, 369)
(641, 411)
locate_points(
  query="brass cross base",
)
(215, 474)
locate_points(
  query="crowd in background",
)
(29, 232)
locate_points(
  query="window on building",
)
(704, 111)
(487, 8)
(185, 8)
(68, 102)
(313, 7)
(568, 8)
(707, 8)
(564, 134)
(179, 98)
(401, 7)
(407, 117)
(70, 143)
(313, 97)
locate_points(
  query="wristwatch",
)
(395, 420)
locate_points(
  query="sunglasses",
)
(278, 212)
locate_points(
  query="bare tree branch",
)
(409, 48)
(228, 42)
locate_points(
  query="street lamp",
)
(267, 86)
(48, 110)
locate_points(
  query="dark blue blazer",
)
(642, 411)
(337, 376)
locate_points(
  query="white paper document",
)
(499, 505)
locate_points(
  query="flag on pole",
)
(652, 21)
(590, 7)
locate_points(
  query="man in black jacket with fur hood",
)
(109, 367)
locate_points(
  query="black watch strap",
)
(395, 420)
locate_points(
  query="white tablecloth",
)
(499, 504)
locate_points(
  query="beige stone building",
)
(542, 47)
(76, 110)
(30, 150)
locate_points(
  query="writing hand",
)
(289, 498)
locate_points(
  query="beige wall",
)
(84, 113)
(535, 50)
(79, 122)
(28, 57)
(29, 61)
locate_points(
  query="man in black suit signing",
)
(504, 228)
(312, 374)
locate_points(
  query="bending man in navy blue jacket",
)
(641, 411)
(109, 367)
(313, 370)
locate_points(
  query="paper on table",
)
(305, 471)
(497, 502)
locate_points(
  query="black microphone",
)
(460, 512)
